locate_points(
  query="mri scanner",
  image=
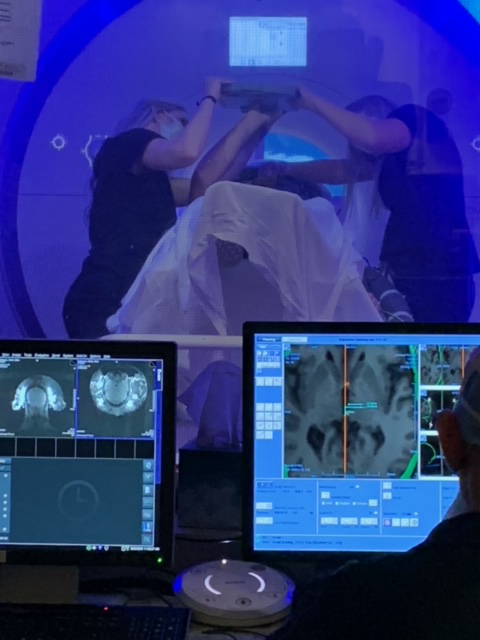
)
(99, 57)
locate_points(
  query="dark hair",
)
(144, 111)
(302, 188)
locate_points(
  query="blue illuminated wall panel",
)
(473, 6)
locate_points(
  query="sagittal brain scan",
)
(118, 391)
(115, 400)
(349, 411)
(38, 398)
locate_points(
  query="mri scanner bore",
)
(406, 153)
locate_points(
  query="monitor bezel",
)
(154, 350)
(250, 329)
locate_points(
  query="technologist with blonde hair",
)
(134, 199)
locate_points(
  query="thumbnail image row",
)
(40, 398)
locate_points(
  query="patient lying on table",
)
(300, 266)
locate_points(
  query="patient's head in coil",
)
(305, 189)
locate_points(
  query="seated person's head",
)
(165, 118)
(302, 188)
(459, 433)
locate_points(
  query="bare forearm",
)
(194, 135)
(376, 137)
(228, 157)
(356, 128)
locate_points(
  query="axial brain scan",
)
(118, 391)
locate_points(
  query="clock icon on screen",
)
(78, 500)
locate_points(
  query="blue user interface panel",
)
(346, 455)
(80, 451)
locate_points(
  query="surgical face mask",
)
(171, 129)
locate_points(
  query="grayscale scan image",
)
(349, 411)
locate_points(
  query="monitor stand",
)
(38, 584)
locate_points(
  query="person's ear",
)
(451, 441)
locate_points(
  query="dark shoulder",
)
(373, 574)
(421, 122)
(133, 140)
(122, 152)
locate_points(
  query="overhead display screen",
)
(268, 42)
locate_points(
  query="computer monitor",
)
(87, 452)
(341, 451)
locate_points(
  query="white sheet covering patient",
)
(300, 266)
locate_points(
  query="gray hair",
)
(144, 112)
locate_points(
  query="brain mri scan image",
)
(115, 400)
(36, 396)
(372, 387)
(118, 391)
(443, 365)
(433, 401)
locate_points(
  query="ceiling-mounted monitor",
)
(268, 41)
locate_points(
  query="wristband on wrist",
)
(209, 97)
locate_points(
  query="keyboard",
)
(90, 622)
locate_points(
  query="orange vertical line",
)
(345, 410)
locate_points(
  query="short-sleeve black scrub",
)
(132, 208)
(428, 245)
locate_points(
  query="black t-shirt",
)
(427, 233)
(430, 593)
(130, 210)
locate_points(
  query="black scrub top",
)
(427, 233)
(130, 210)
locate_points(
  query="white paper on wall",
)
(19, 35)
